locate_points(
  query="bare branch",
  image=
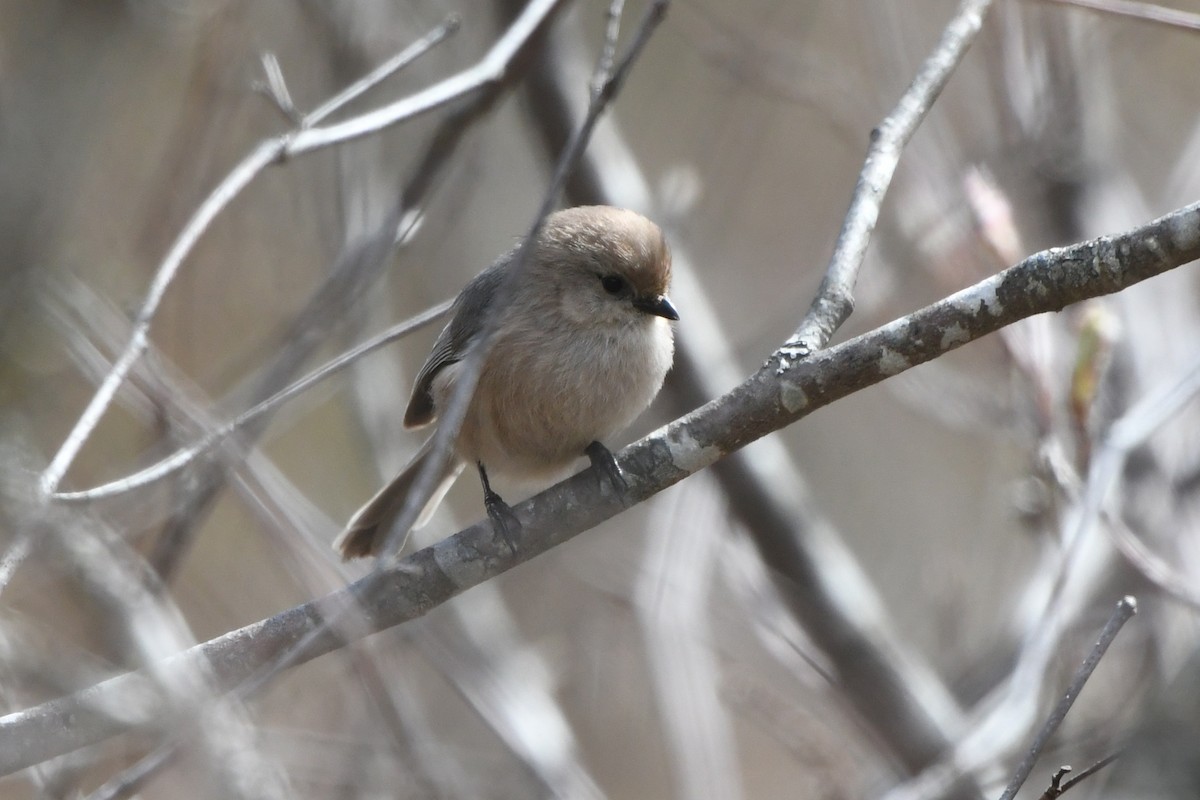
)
(1056, 779)
(1058, 788)
(1126, 608)
(355, 266)
(133, 778)
(778, 394)
(1144, 12)
(188, 455)
(835, 299)
(1089, 772)
(898, 695)
(442, 145)
(229, 188)
(274, 87)
(608, 52)
(1105, 471)
(385, 70)
(489, 72)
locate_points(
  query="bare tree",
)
(894, 598)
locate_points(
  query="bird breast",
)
(545, 394)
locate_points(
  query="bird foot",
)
(504, 521)
(606, 465)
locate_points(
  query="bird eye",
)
(613, 284)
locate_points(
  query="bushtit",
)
(580, 349)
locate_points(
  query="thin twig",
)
(139, 340)
(1105, 472)
(122, 584)
(1090, 771)
(134, 777)
(1151, 566)
(1145, 12)
(835, 298)
(275, 88)
(1125, 609)
(1058, 787)
(1056, 779)
(354, 267)
(773, 397)
(1071, 565)
(156, 382)
(490, 70)
(187, 455)
(608, 52)
(393, 65)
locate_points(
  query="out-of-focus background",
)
(658, 655)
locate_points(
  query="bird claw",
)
(606, 465)
(504, 521)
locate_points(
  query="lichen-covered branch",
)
(834, 301)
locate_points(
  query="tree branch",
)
(356, 267)
(1087, 773)
(1143, 12)
(488, 74)
(835, 299)
(1126, 608)
(222, 432)
(897, 695)
(781, 392)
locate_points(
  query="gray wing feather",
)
(469, 310)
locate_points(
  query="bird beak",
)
(658, 305)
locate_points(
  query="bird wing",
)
(469, 310)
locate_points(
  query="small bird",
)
(579, 350)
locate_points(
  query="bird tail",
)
(367, 530)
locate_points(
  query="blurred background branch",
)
(923, 561)
(763, 403)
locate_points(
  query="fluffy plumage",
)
(579, 351)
